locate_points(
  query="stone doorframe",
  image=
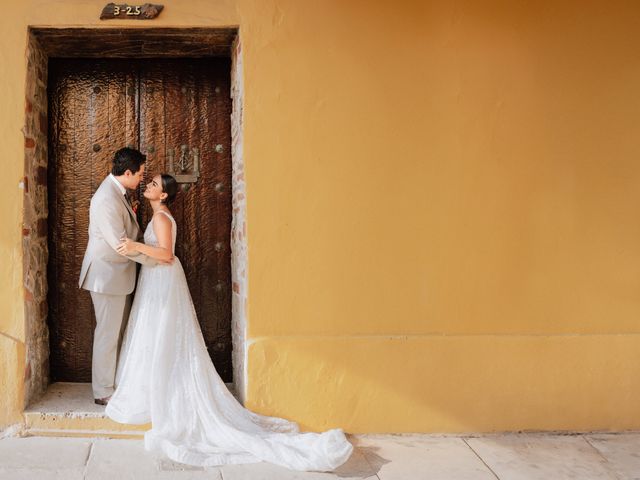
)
(44, 43)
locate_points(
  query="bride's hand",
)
(127, 247)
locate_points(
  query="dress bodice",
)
(150, 236)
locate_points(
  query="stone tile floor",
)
(376, 457)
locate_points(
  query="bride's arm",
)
(110, 224)
(163, 252)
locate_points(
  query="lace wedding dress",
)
(165, 377)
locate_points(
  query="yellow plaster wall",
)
(12, 364)
(449, 383)
(443, 216)
(442, 207)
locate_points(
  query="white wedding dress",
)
(165, 377)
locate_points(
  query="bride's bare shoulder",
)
(161, 219)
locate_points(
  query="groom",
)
(109, 276)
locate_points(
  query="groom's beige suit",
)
(109, 276)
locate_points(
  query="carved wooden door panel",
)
(185, 105)
(158, 106)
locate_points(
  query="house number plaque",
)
(124, 11)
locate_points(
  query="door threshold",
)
(68, 409)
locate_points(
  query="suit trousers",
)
(112, 312)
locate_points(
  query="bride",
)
(165, 375)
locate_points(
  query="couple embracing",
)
(163, 373)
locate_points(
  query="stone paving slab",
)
(542, 457)
(357, 467)
(622, 452)
(41, 452)
(43, 458)
(32, 474)
(376, 457)
(128, 460)
(415, 457)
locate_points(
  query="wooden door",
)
(157, 106)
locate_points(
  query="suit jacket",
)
(104, 270)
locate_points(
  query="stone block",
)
(43, 309)
(44, 126)
(28, 296)
(41, 176)
(42, 227)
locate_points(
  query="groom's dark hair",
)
(127, 159)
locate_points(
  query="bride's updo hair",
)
(170, 187)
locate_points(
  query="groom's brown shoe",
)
(102, 401)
